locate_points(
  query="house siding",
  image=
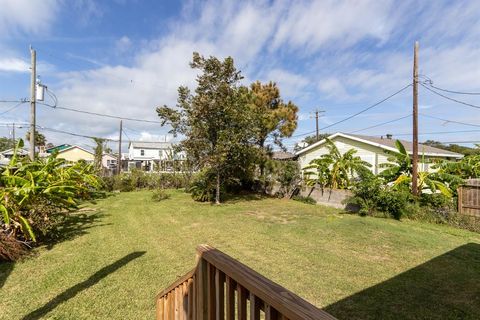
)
(376, 156)
(74, 154)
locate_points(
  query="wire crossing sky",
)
(103, 61)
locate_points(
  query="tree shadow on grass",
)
(73, 291)
(235, 198)
(74, 225)
(446, 287)
(5, 270)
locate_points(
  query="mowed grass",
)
(127, 248)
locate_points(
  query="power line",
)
(452, 121)
(382, 124)
(449, 98)
(438, 132)
(366, 109)
(101, 114)
(12, 108)
(430, 83)
(75, 134)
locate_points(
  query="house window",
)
(142, 152)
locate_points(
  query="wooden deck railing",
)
(220, 287)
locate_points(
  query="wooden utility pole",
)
(415, 122)
(33, 78)
(119, 160)
(13, 135)
(317, 112)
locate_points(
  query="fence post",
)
(460, 199)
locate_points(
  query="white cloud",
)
(123, 44)
(27, 16)
(291, 85)
(14, 65)
(313, 24)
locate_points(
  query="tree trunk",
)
(217, 193)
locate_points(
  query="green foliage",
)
(40, 139)
(285, 173)
(334, 169)
(307, 200)
(453, 148)
(215, 120)
(160, 194)
(34, 192)
(6, 143)
(203, 187)
(138, 179)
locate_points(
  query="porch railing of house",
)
(220, 287)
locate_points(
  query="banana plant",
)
(26, 184)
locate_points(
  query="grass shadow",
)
(241, 197)
(84, 285)
(446, 287)
(74, 225)
(5, 270)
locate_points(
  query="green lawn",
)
(123, 250)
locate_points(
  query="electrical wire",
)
(382, 124)
(452, 121)
(449, 98)
(429, 82)
(366, 109)
(101, 114)
(12, 108)
(75, 134)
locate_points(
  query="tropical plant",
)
(399, 169)
(334, 169)
(31, 190)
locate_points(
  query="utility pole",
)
(119, 161)
(13, 135)
(33, 55)
(415, 122)
(317, 112)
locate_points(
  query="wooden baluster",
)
(201, 290)
(241, 302)
(230, 299)
(220, 294)
(211, 291)
(190, 302)
(160, 304)
(270, 313)
(254, 307)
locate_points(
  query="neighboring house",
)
(109, 161)
(6, 155)
(283, 156)
(147, 155)
(373, 150)
(72, 153)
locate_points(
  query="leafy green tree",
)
(6, 143)
(215, 120)
(40, 139)
(274, 118)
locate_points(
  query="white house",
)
(372, 150)
(147, 155)
(109, 161)
(6, 155)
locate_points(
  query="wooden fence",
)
(220, 287)
(469, 198)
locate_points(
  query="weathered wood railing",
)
(220, 287)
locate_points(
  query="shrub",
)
(159, 195)
(307, 200)
(35, 193)
(393, 202)
(137, 179)
(203, 186)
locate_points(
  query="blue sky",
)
(127, 57)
